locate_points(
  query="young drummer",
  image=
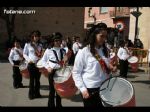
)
(77, 45)
(51, 61)
(123, 55)
(92, 66)
(32, 53)
(15, 57)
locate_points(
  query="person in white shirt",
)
(92, 66)
(15, 57)
(32, 53)
(77, 45)
(51, 60)
(123, 55)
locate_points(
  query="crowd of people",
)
(90, 60)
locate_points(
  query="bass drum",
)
(64, 83)
(117, 92)
(23, 69)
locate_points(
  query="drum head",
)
(23, 66)
(39, 64)
(62, 74)
(133, 59)
(116, 91)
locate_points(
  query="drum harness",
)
(61, 53)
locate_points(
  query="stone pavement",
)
(19, 97)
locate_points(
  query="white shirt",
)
(49, 55)
(14, 56)
(87, 72)
(123, 54)
(76, 46)
(29, 52)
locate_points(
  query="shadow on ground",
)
(142, 81)
(25, 86)
(44, 96)
(76, 98)
(132, 76)
(44, 87)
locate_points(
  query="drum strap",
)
(102, 63)
(61, 53)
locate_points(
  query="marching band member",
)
(123, 55)
(52, 61)
(92, 66)
(32, 52)
(15, 57)
(77, 45)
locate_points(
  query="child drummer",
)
(54, 56)
(15, 57)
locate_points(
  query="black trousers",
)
(34, 81)
(17, 77)
(123, 68)
(51, 99)
(94, 99)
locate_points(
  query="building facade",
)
(143, 26)
(114, 17)
(67, 20)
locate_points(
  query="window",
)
(103, 9)
(119, 8)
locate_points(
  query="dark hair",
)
(69, 43)
(56, 35)
(122, 43)
(35, 33)
(76, 37)
(17, 40)
(90, 38)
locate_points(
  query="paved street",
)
(19, 97)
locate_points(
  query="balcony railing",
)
(120, 13)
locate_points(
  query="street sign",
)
(119, 25)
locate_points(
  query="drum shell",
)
(44, 71)
(67, 88)
(130, 103)
(24, 70)
(25, 73)
(134, 66)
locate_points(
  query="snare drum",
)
(117, 92)
(133, 60)
(23, 69)
(64, 83)
(41, 68)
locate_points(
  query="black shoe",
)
(59, 106)
(37, 96)
(16, 87)
(20, 85)
(31, 97)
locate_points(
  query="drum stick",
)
(113, 83)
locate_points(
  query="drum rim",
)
(133, 90)
(132, 57)
(39, 66)
(67, 78)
